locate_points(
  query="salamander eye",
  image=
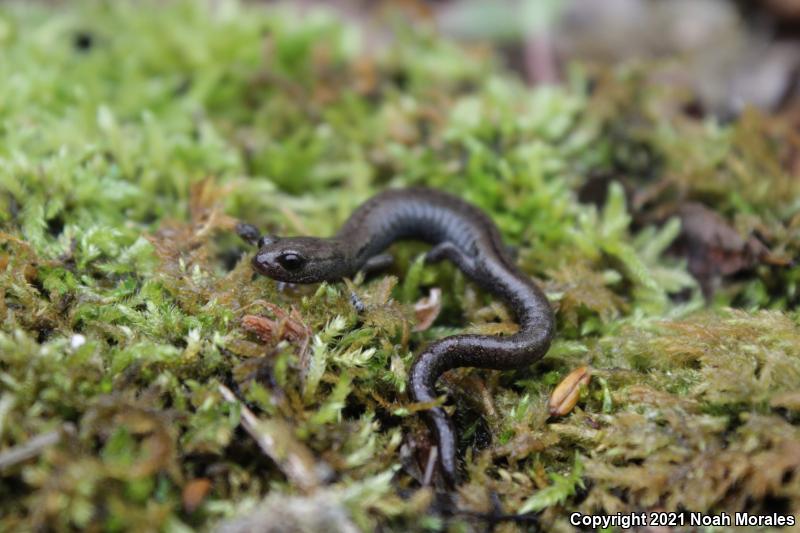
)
(291, 261)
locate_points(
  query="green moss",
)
(132, 143)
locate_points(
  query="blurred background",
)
(656, 73)
(721, 55)
(643, 157)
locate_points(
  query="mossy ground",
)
(133, 137)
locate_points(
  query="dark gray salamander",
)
(459, 232)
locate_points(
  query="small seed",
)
(566, 394)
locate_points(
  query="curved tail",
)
(422, 382)
(480, 351)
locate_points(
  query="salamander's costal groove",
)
(459, 232)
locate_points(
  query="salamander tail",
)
(422, 381)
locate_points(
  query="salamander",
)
(458, 231)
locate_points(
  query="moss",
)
(172, 388)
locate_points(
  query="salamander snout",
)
(298, 259)
(282, 265)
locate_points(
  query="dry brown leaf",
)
(286, 325)
(427, 309)
(713, 247)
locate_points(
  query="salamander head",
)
(301, 259)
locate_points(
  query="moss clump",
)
(151, 381)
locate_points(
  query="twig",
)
(432, 456)
(294, 459)
(34, 446)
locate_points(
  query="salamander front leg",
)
(448, 250)
(248, 232)
(377, 263)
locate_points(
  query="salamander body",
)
(457, 231)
